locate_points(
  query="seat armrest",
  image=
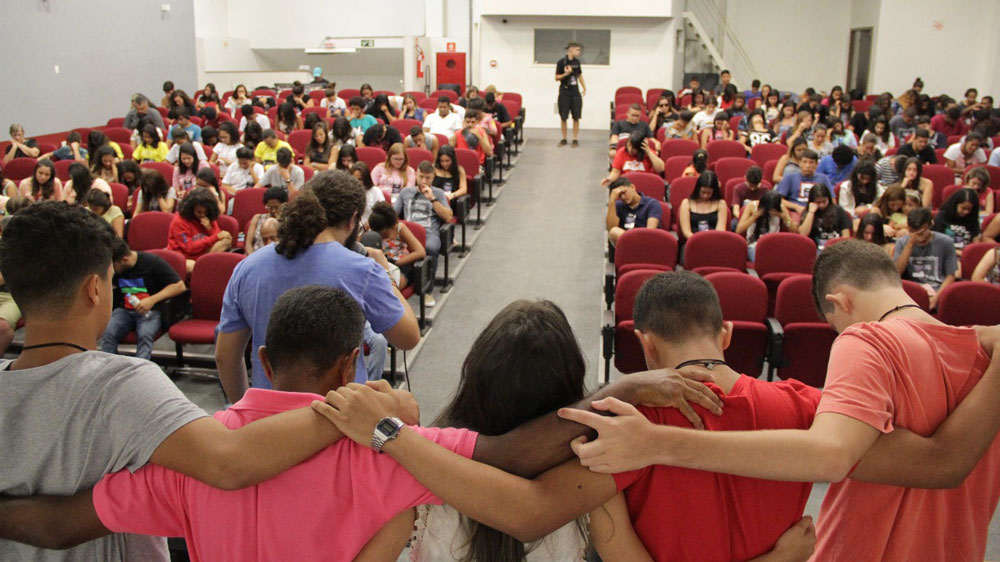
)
(775, 344)
(609, 284)
(460, 205)
(447, 233)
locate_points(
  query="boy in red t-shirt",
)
(640, 154)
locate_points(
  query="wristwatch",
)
(386, 430)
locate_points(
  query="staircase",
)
(710, 45)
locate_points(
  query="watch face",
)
(385, 427)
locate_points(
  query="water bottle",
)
(134, 301)
(241, 237)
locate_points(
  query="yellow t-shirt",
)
(144, 153)
(118, 149)
(269, 156)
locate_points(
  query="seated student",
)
(964, 155)
(274, 202)
(840, 135)
(151, 148)
(129, 174)
(904, 123)
(19, 147)
(206, 178)
(334, 104)
(978, 180)
(181, 138)
(682, 128)
(209, 136)
(359, 120)
(988, 269)
(803, 128)
(838, 165)
(236, 101)
(194, 231)
(893, 207)
(757, 131)
(795, 187)
(638, 155)
(719, 130)
(395, 173)
(142, 109)
(492, 105)
(919, 146)
(699, 163)
(867, 148)
(177, 101)
(750, 189)
(184, 122)
(347, 155)
(320, 153)
(285, 174)
(448, 175)
(884, 140)
(473, 137)
(872, 228)
(859, 193)
(910, 171)
(427, 206)
(910, 371)
(419, 139)
(380, 108)
(764, 216)
(209, 97)
(96, 140)
(287, 120)
(373, 193)
(704, 118)
(625, 127)
(823, 220)
(42, 185)
(399, 245)
(141, 285)
(105, 164)
(123, 413)
(818, 142)
(70, 150)
(80, 183)
(664, 113)
(381, 136)
(187, 167)
(958, 218)
(224, 152)
(785, 121)
(299, 99)
(628, 209)
(266, 152)
(99, 203)
(210, 122)
(444, 121)
(704, 209)
(250, 116)
(241, 174)
(790, 161)
(7, 187)
(950, 122)
(926, 256)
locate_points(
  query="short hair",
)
(490, 97)
(119, 249)
(974, 135)
(425, 167)
(416, 130)
(857, 263)
(622, 181)
(910, 111)
(269, 134)
(244, 153)
(572, 44)
(382, 217)
(979, 173)
(636, 107)
(246, 110)
(954, 113)
(329, 92)
(809, 154)
(140, 99)
(298, 89)
(311, 328)
(686, 115)
(473, 114)
(178, 132)
(48, 249)
(356, 101)
(922, 133)
(279, 193)
(842, 154)
(444, 99)
(284, 156)
(183, 112)
(918, 218)
(677, 306)
(723, 72)
(168, 86)
(754, 175)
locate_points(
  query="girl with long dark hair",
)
(823, 220)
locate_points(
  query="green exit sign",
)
(367, 42)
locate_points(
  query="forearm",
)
(169, 292)
(230, 364)
(611, 218)
(54, 522)
(903, 261)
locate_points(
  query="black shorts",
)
(570, 101)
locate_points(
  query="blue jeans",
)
(378, 348)
(124, 321)
(433, 247)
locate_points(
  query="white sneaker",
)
(429, 300)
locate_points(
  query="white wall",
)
(642, 54)
(592, 8)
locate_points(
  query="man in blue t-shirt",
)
(795, 187)
(628, 209)
(304, 256)
(838, 166)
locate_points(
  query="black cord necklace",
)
(898, 308)
(53, 344)
(707, 363)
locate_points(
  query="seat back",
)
(784, 252)
(149, 230)
(761, 154)
(388, 93)
(166, 169)
(794, 302)
(452, 96)
(300, 141)
(371, 155)
(209, 278)
(513, 107)
(19, 168)
(717, 249)
(972, 255)
(628, 351)
(120, 135)
(725, 149)
(648, 184)
(246, 204)
(994, 172)
(627, 99)
(428, 104)
(769, 168)
(404, 126)
(680, 189)
(469, 161)
(62, 170)
(230, 225)
(969, 304)
(347, 93)
(674, 166)
(677, 147)
(318, 110)
(419, 96)
(653, 96)
(174, 259)
(919, 295)
(116, 122)
(807, 337)
(646, 246)
(728, 168)
(628, 90)
(941, 176)
(119, 195)
(416, 155)
(742, 296)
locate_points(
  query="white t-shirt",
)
(175, 151)
(225, 152)
(261, 120)
(239, 178)
(338, 103)
(703, 119)
(372, 196)
(954, 153)
(447, 126)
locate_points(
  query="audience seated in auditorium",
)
(181, 138)
(141, 110)
(473, 137)
(299, 99)
(448, 175)
(42, 185)
(427, 206)
(719, 130)
(965, 154)
(151, 148)
(824, 220)
(757, 131)
(105, 164)
(373, 193)
(70, 150)
(224, 151)
(380, 108)
(795, 186)
(663, 112)
(790, 162)
(763, 216)
(704, 118)
(266, 152)
(194, 230)
(8, 188)
(207, 179)
(359, 120)
(492, 105)
(334, 104)
(628, 209)
(187, 167)
(978, 180)
(320, 150)
(871, 228)
(988, 269)
(624, 128)
(785, 122)
(347, 155)
(638, 155)
(274, 202)
(818, 142)
(419, 139)
(209, 97)
(183, 120)
(840, 135)
(285, 174)
(155, 194)
(884, 140)
(179, 100)
(20, 147)
(287, 120)
(395, 173)
(381, 136)
(400, 246)
(958, 219)
(919, 147)
(444, 121)
(80, 182)
(243, 173)
(894, 205)
(750, 189)
(925, 256)
(904, 123)
(859, 193)
(838, 165)
(682, 128)
(129, 175)
(704, 209)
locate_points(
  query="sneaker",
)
(429, 300)
(562, 142)
(576, 143)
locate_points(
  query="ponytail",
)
(331, 199)
(303, 219)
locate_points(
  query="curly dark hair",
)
(199, 196)
(330, 199)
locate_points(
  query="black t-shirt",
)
(30, 143)
(570, 82)
(499, 112)
(446, 184)
(624, 128)
(926, 155)
(822, 235)
(148, 276)
(860, 123)
(391, 137)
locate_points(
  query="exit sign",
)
(367, 42)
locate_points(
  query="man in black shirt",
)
(919, 147)
(21, 148)
(498, 110)
(625, 127)
(382, 136)
(141, 283)
(570, 79)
